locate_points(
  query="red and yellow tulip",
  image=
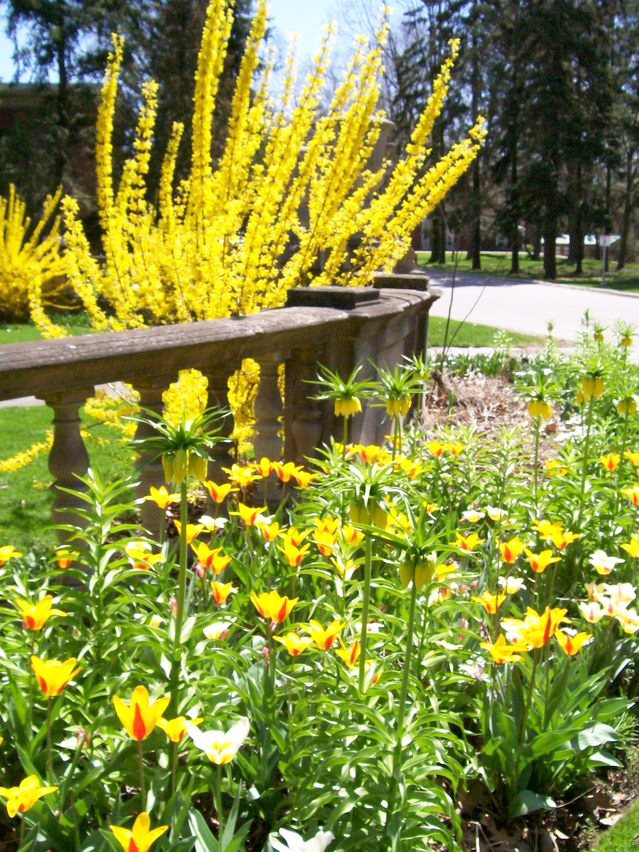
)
(22, 798)
(35, 616)
(140, 838)
(53, 675)
(141, 715)
(272, 606)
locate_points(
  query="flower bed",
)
(363, 653)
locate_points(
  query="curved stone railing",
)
(338, 327)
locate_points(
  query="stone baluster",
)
(68, 457)
(149, 468)
(269, 413)
(220, 454)
(306, 418)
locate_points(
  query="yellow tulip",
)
(273, 606)
(540, 561)
(510, 550)
(176, 728)
(141, 716)
(269, 531)
(491, 603)
(192, 530)
(248, 514)
(571, 645)
(218, 493)
(351, 655)
(35, 616)
(8, 551)
(323, 637)
(468, 542)
(610, 461)
(23, 798)
(53, 675)
(292, 554)
(161, 497)
(140, 838)
(501, 652)
(294, 643)
(213, 559)
(221, 592)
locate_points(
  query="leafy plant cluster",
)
(332, 654)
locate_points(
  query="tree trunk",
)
(627, 211)
(441, 259)
(577, 234)
(435, 238)
(536, 245)
(550, 244)
(475, 225)
(608, 217)
(62, 110)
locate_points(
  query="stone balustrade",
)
(337, 327)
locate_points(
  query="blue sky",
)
(305, 17)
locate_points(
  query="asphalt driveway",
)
(528, 306)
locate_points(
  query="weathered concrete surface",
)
(528, 306)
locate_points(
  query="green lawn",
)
(25, 332)
(624, 836)
(25, 500)
(498, 264)
(470, 334)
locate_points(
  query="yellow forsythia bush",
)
(292, 182)
(31, 264)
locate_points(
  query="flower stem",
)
(217, 798)
(584, 469)
(622, 449)
(174, 767)
(368, 559)
(181, 593)
(141, 770)
(536, 459)
(49, 747)
(403, 695)
(524, 718)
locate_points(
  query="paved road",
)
(527, 306)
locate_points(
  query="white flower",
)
(602, 563)
(472, 516)
(217, 630)
(220, 746)
(511, 585)
(212, 524)
(296, 843)
(620, 594)
(495, 514)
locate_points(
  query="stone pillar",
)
(150, 469)
(68, 457)
(269, 410)
(220, 455)
(304, 415)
